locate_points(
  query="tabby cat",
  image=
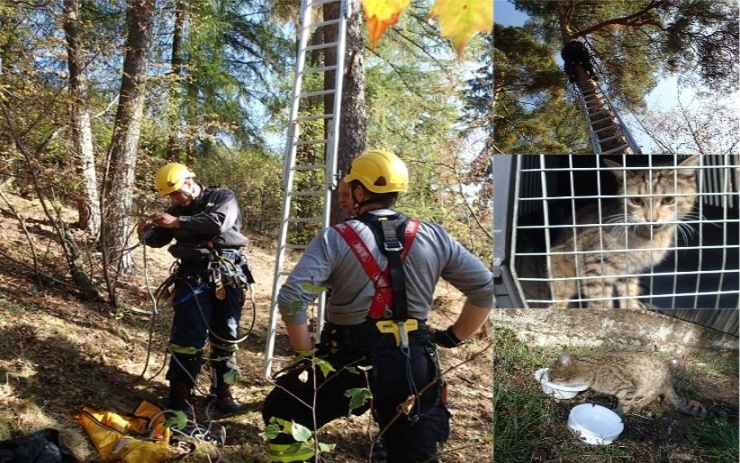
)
(636, 378)
(638, 230)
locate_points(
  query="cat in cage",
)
(603, 260)
(635, 378)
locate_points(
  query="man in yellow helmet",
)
(344, 198)
(209, 281)
(381, 269)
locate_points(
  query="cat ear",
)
(619, 172)
(565, 357)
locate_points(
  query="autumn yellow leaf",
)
(460, 20)
(380, 15)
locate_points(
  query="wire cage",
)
(640, 231)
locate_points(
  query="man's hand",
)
(142, 226)
(446, 338)
(165, 220)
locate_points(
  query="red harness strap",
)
(380, 277)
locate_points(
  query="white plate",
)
(594, 424)
(557, 390)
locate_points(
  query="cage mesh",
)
(573, 212)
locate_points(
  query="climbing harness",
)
(389, 306)
(217, 264)
(390, 283)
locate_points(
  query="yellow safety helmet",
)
(379, 171)
(171, 177)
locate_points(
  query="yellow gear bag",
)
(136, 438)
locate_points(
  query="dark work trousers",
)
(410, 438)
(199, 314)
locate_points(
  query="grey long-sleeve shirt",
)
(329, 263)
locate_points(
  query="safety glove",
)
(446, 338)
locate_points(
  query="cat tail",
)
(690, 407)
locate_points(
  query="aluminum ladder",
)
(318, 177)
(608, 133)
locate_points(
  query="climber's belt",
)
(373, 335)
(399, 328)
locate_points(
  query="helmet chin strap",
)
(189, 192)
(367, 201)
(360, 204)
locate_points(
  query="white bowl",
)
(558, 391)
(594, 424)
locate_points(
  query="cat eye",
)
(668, 200)
(636, 201)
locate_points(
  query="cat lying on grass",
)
(635, 378)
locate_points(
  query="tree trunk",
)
(175, 145)
(353, 126)
(124, 144)
(88, 202)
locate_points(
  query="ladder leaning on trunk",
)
(310, 165)
(607, 131)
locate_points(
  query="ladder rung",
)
(308, 193)
(318, 141)
(316, 117)
(330, 22)
(321, 46)
(305, 167)
(616, 150)
(319, 69)
(602, 119)
(608, 127)
(322, 2)
(316, 93)
(613, 137)
(304, 219)
(599, 112)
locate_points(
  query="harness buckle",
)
(399, 328)
(394, 246)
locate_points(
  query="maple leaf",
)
(380, 15)
(460, 20)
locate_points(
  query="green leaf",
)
(313, 289)
(271, 431)
(178, 421)
(358, 396)
(300, 433)
(295, 306)
(326, 447)
(231, 377)
(324, 366)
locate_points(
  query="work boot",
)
(181, 398)
(223, 363)
(224, 401)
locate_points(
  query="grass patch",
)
(720, 439)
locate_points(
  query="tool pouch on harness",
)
(139, 437)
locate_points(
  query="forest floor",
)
(58, 354)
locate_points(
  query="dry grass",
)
(58, 355)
